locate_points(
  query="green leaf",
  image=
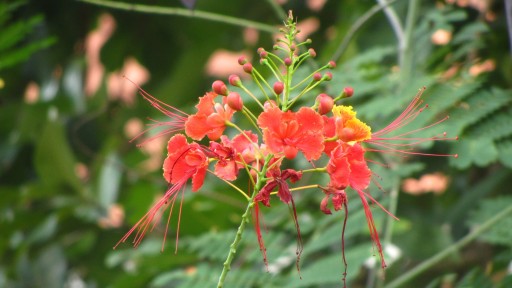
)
(109, 180)
(54, 160)
(499, 233)
(481, 152)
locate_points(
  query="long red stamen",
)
(371, 226)
(176, 124)
(393, 144)
(300, 245)
(257, 228)
(141, 227)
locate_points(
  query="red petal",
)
(196, 126)
(226, 170)
(310, 121)
(206, 103)
(360, 174)
(198, 178)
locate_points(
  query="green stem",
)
(425, 265)
(245, 219)
(185, 13)
(394, 21)
(406, 56)
(355, 27)
(277, 9)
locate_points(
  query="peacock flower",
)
(210, 119)
(286, 133)
(185, 161)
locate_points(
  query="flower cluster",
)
(285, 122)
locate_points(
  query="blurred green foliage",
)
(66, 164)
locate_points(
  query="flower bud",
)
(317, 76)
(275, 47)
(308, 41)
(242, 60)
(220, 88)
(263, 54)
(234, 80)
(348, 91)
(234, 101)
(327, 76)
(261, 49)
(288, 61)
(269, 104)
(325, 103)
(293, 47)
(278, 87)
(312, 52)
(247, 68)
(331, 64)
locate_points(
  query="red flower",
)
(232, 154)
(210, 119)
(347, 167)
(278, 180)
(185, 161)
(289, 132)
(283, 192)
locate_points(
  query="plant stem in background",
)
(508, 14)
(394, 21)
(355, 27)
(425, 265)
(406, 57)
(186, 13)
(277, 9)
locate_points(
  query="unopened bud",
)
(278, 87)
(261, 49)
(317, 76)
(263, 54)
(312, 52)
(327, 76)
(234, 80)
(269, 104)
(308, 41)
(331, 64)
(275, 47)
(242, 60)
(234, 101)
(220, 88)
(348, 91)
(287, 61)
(325, 103)
(293, 47)
(247, 68)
